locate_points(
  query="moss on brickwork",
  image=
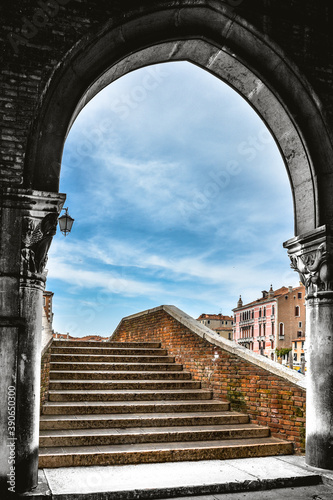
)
(236, 399)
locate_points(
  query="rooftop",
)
(214, 316)
(284, 290)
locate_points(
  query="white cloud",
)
(179, 198)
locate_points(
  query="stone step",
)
(136, 385)
(104, 358)
(115, 366)
(110, 351)
(130, 395)
(133, 407)
(122, 421)
(136, 435)
(120, 375)
(95, 343)
(162, 452)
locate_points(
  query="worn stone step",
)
(135, 435)
(122, 421)
(118, 367)
(132, 407)
(162, 452)
(101, 385)
(111, 351)
(121, 375)
(95, 343)
(104, 358)
(130, 395)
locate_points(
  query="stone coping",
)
(228, 345)
(46, 345)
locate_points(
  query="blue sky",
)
(179, 196)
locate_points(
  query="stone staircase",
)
(120, 403)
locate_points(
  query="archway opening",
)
(180, 196)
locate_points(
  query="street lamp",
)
(65, 222)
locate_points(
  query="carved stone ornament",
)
(315, 269)
(36, 241)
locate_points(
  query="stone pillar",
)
(311, 255)
(28, 224)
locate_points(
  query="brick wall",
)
(268, 398)
(45, 375)
(36, 36)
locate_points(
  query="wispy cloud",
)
(179, 195)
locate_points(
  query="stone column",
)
(28, 224)
(311, 255)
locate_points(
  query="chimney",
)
(271, 292)
(290, 289)
(240, 302)
(264, 294)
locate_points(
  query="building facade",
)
(271, 322)
(223, 325)
(298, 347)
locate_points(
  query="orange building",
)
(271, 322)
(298, 352)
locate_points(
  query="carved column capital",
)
(311, 255)
(36, 215)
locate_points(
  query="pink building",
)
(272, 321)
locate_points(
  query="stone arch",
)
(214, 38)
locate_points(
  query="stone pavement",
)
(318, 492)
(241, 479)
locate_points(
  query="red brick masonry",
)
(45, 376)
(269, 399)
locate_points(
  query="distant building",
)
(66, 336)
(298, 352)
(271, 322)
(47, 314)
(221, 324)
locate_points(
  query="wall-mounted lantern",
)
(65, 222)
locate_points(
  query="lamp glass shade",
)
(65, 223)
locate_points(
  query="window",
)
(299, 295)
(281, 329)
(295, 343)
(299, 334)
(264, 311)
(259, 330)
(264, 329)
(259, 313)
(229, 336)
(295, 356)
(273, 310)
(300, 324)
(273, 327)
(297, 311)
(272, 344)
(208, 322)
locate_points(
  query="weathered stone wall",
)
(37, 35)
(268, 398)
